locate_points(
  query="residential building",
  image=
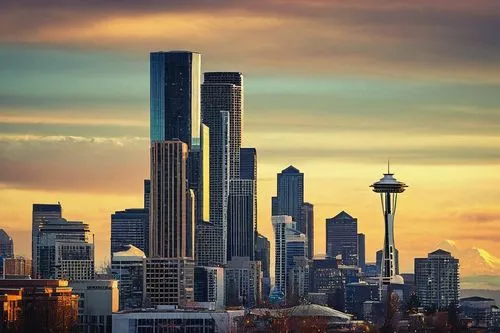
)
(243, 282)
(64, 250)
(209, 285)
(130, 226)
(437, 280)
(342, 238)
(39, 213)
(127, 267)
(97, 300)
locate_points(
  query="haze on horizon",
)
(332, 87)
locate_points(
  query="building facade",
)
(437, 280)
(209, 285)
(127, 267)
(39, 213)
(130, 226)
(243, 282)
(342, 238)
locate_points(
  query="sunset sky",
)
(333, 87)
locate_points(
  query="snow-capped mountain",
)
(473, 261)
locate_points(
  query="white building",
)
(171, 319)
(98, 299)
(128, 268)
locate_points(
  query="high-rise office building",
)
(147, 193)
(361, 251)
(127, 267)
(342, 238)
(64, 250)
(242, 218)
(221, 106)
(290, 196)
(243, 282)
(170, 228)
(40, 212)
(248, 163)
(198, 174)
(262, 254)
(6, 245)
(308, 221)
(175, 96)
(437, 280)
(130, 226)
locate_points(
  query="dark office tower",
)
(175, 96)
(290, 196)
(242, 219)
(262, 254)
(198, 175)
(248, 163)
(274, 206)
(308, 220)
(342, 238)
(437, 280)
(147, 193)
(6, 245)
(40, 212)
(169, 227)
(361, 251)
(378, 262)
(130, 227)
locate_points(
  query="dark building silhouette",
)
(6, 245)
(41, 212)
(361, 251)
(248, 163)
(342, 238)
(308, 221)
(130, 227)
(290, 196)
(263, 254)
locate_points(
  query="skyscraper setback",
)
(175, 96)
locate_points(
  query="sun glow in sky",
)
(331, 87)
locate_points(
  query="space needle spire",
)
(389, 188)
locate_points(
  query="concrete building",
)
(97, 300)
(209, 285)
(46, 305)
(243, 282)
(64, 251)
(171, 231)
(130, 226)
(342, 238)
(39, 213)
(437, 280)
(289, 199)
(171, 319)
(127, 267)
(6, 245)
(168, 281)
(308, 220)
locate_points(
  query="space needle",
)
(389, 188)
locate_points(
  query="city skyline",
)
(445, 127)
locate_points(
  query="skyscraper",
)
(169, 228)
(242, 218)
(64, 250)
(342, 238)
(388, 187)
(6, 245)
(437, 280)
(222, 105)
(308, 220)
(175, 96)
(41, 211)
(130, 227)
(361, 251)
(147, 193)
(290, 196)
(248, 163)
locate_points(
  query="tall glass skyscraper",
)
(290, 196)
(175, 96)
